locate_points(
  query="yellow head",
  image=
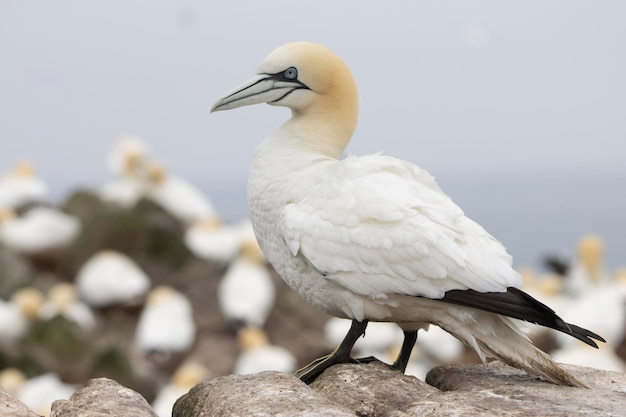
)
(591, 255)
(29, 301)
(311, 80)
(252, 337)
(62, 295)
(190, 374)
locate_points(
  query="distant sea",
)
(532, 216)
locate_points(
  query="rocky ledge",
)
(371, 390)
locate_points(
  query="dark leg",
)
(340, 355)
(405, 351)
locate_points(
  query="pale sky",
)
(466, 89)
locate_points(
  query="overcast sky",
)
(471, 89)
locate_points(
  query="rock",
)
(478, 390)
(11, 407)
(504, 391)
(374, 390)
(103, 397)
(364, 390)
(264, 394)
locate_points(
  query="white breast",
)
(346, 234)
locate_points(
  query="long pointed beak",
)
(264, 88)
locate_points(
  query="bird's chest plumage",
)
(279, 176)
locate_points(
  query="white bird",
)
(124, 192)
(62, 299)
(213, 240)
(166, 323)
(129, 161)
(22, 186)
(12, 380)
(381, 337)
(130, 157)
(258, 355)
(441, 345)
(110, 277)
(373, 237)
(186, 377)
(180, 198)
(41, 391)
(246, 292)
(17, 314)
(39, 230)
(587, 268)
(578, 354)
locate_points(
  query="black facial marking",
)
(289, 75)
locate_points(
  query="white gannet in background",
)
(178, 197)
(62, 299)
(258, 355)
(588, 286)
(130, 156)
(212, 240)
(586, 269)
(109, 277)
(441, 345)
(186, 377)
(579, 354)
(17, 314)
(246, 292)
(22, 186)
(12, 380)
(373, 237)
(41, 391)
(129, 161)
(39, 230)
(381, 337)
(166, 323)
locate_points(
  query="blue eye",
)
(291, 73)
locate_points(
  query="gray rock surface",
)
(103, 397)
(364, 390)
(11, 407)
(374, 390)
(263, 394)
(501, 390)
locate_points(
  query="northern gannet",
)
(129, 161)
(382, 338)
(41, 391)
(186, 377)
(22, 186)
(17, 314)
(166, 323)
(212, 240)
(109, 277)
(180, 198)
(62, 300)
(12, 380)
(40, 230)
(373, 237)
(258, 355)
(246, 292)
(129, 157)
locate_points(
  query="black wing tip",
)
(584, 335)
(520, 305)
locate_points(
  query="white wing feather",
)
(377, 225)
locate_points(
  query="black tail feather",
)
(517, 304)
